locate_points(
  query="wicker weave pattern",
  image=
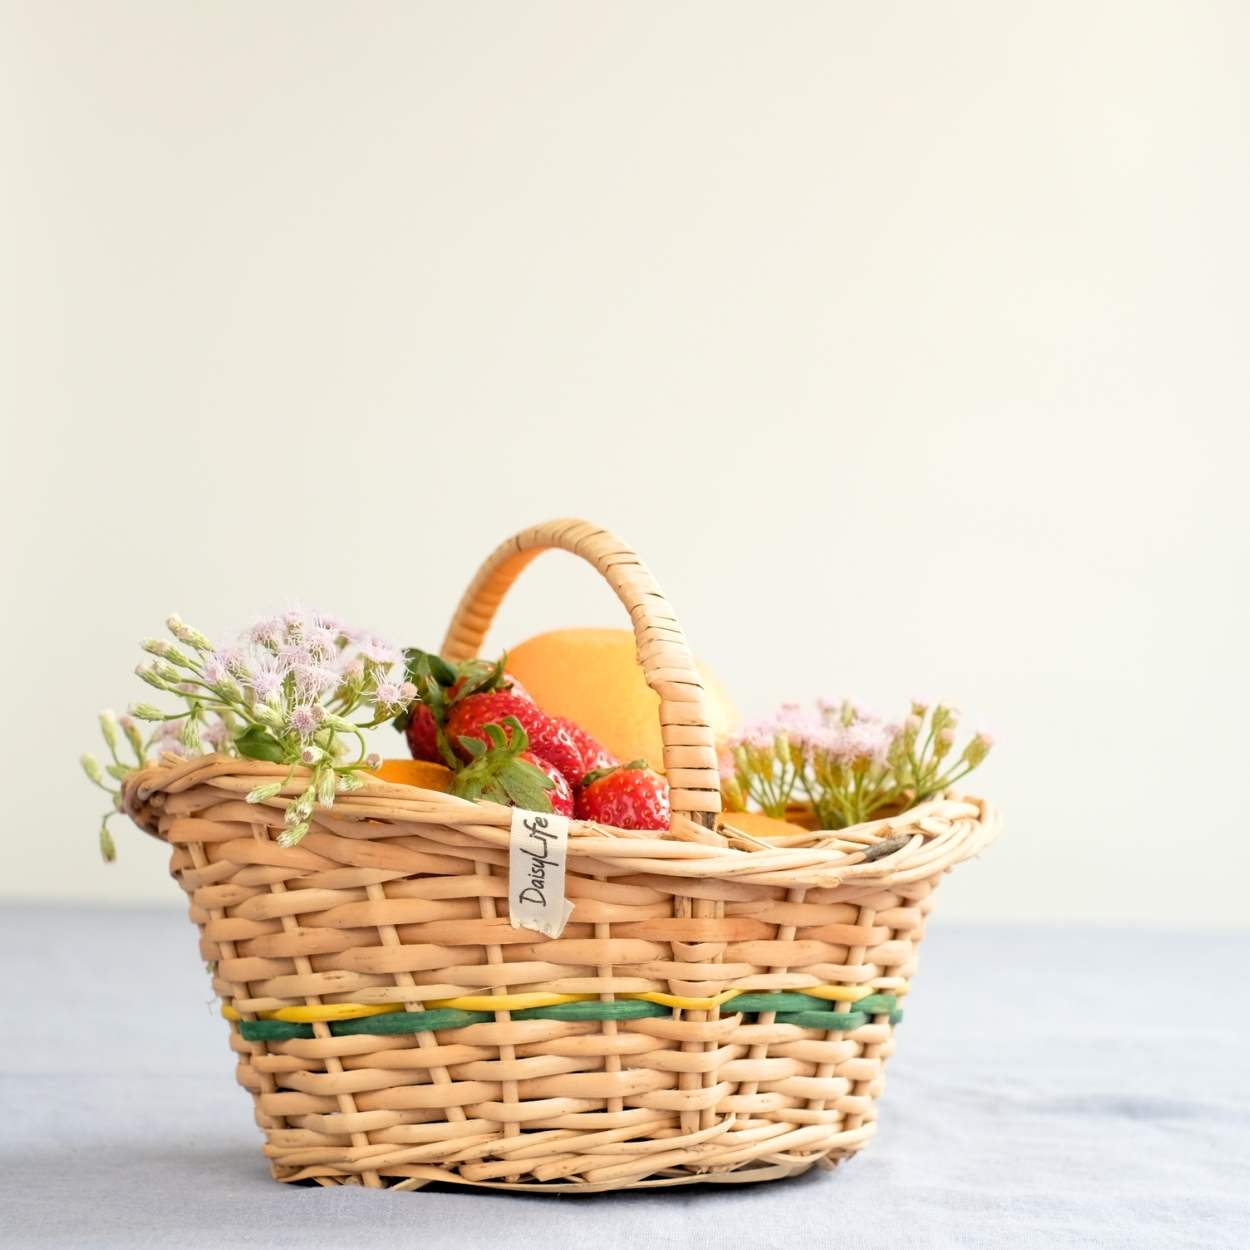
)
(399, 895)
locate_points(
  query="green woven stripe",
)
(830, 1020)
(792, 1001)
(877, 1004)
(411, 1021)
(272, 1030)
(791, 1008)
(625, 1009)
(779, 1001)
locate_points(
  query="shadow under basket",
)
(716, 1010)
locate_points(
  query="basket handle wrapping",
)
(689, 743)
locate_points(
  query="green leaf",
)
(488, 680)
(527, 786)
(257, 743)
(475, 746)
(429, 691)
(442, 672)
(518, 740)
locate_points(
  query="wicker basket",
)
(716, 1010)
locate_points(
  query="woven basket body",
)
(716, 1009)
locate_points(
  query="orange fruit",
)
(415, 773)
(758, 825)
(593, 677)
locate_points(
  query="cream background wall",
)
(906, 341)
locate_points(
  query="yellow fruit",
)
(592, 676)
(758, 825)
(415, 773)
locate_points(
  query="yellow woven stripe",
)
(317, 1015)
(507, 1002)
(684, 1003)
(519, 1002)
(839, 993)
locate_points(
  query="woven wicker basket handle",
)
(689, 744)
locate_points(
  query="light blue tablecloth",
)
(1050, 1090)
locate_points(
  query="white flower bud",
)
(293, 835)
(166, 651)
(185, 633)
(146, 672)
(326, 788)
(300, 810)
(145, 711)
(261, 793)
(268, 715)
(131, 730)
(978, 749)
(91, 766)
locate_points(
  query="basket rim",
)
(931, 837)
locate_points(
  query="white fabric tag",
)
(537, 853)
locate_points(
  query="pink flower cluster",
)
(289, 674)
(288, 692)
(836, 731)
(295, 661)
(843, 762)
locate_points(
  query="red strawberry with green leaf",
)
(550, 739)
(502, 769)
(629, 796)
(440, 686)
(561, 793)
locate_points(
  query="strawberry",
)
(440, 686)
(594, 755)
(469, 717)
(560, 795)
(629, 796)
(422, 734)
(470, 682)
(508, 682)
(502, 769)
(551, 739)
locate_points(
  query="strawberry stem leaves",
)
(496, 773)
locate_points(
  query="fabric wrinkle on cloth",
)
(1050, 1089)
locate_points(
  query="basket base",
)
(761, 1170)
